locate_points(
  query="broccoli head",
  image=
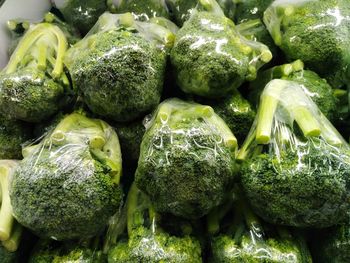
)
(296, 165)
(119, 69)
(210, 56)
(67, 186)
(81, 14)
(34, 86)
(316, 87)
(241, 237)
(142, 10)
(147, 242)
(186, 159)
(314, 31)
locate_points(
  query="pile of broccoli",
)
(177, 131)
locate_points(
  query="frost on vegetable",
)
(316, 31)
(186, 159)
(146, 240)
(119, 67)
(67, 186)
(296, 165)
(210, 56)
(34, 85)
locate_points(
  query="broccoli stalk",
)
(211, 6)
(6, 217)
(13, 242)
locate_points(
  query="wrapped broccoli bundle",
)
(119, 67)
(67, 186)
(239, 236)
(296, 165)
(316, 87)
(147, 241)
(33, 85)
(250, 9)
(187, 159)
(211, 57)
(316, 31)
(81, 14)
(141, 10)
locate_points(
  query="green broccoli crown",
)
(67, 186)
(310, 31)
(186, 159)
(82, 14)
(147, 241)
(115, 80)
(238, 114)
(34, 86)
(142, 10)
(296, 164)
(211, 58)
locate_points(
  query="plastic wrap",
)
(239, 236)
(147, 241)
(186, 159)
(316, 87)
(142, 10)
(81, 14)
(316, 31)
(250, 9)
(210, 56)
(67, 186)
(34, 85)
(119, 66)
(296, 165)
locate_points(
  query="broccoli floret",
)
(12, 135)
(130, 137)
(250, 9)
(238, 114)
(141, 10)
(316, 87)
(34, 86)
(186, 159)
(81, 14)
(296, 168)
(241, 237)
(314, 31)
(119, 70)
(147, 242)
(67, 186)
(211, 58)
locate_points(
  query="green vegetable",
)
(250, 9)
(82, 14)
(67, 186)
(186, 159)
(211, 58)
(119, 68)
(296, 165)
(34, 86)
(147, 242)
(8, 257)
(142, 10)
(315, 32)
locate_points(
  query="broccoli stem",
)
(212, 6)
(297, 65)
(158, 33)
(134, 213)
(252, 221)
(164, 112)
(244, 151)
(42, 56)
(269, 101)
(127, 20)
(306, 121)
(229, 139)
(61, 48)
(246, 29)
(329, 133)
(273, 25)
(14, 241)
(161, 21)
(29, 150)
(6, 218)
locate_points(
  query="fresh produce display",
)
(177, 131)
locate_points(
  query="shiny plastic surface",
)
(119, 66)
(211, 57)
(296, 165)
(315, 31)
(67, 185)
(187, 159)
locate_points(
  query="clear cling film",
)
(187, 159)
(147, 241)
(296, 165)
(68, 184)
(118, 68)
(316, 31)
(238, 235)
(211, 57)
